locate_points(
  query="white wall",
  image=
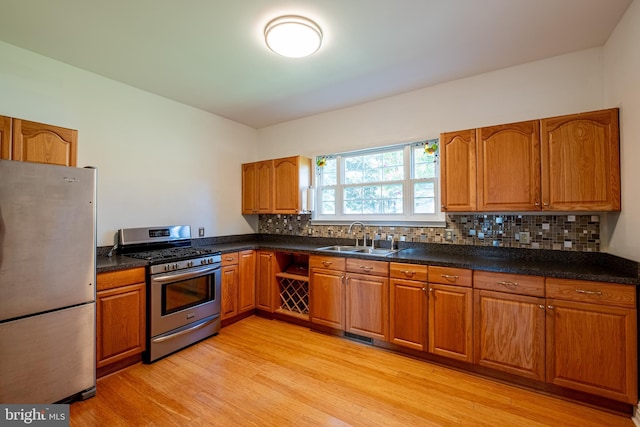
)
(561, 85)
(159, 162)
(622, 89)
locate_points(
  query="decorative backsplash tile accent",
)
(580, 233)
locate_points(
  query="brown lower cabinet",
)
(451, 313)
(238, 283)
(327, 291)
(120, 318)
(509, 313)
(367, 298)
(408, 305)
(577, 335)
(592, 338)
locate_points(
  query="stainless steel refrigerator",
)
(47, 282)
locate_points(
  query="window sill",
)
(382, 223)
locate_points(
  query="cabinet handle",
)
(537, 204)
(546, 203)
(585, 292)
(541, 306)
(366, 267)
(443, 207)
(550, 307)
(408, 272)
(326, 263)
(508, 284)
(430, 289)
(228, 259)
(449, 277)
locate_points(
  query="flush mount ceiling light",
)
(293, 36)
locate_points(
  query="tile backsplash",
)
(580, 233)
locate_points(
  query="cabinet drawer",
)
(594, 292)
(114, 279)
(365, 266)
(326, 262)
(229, 259)
(450, 276)
(511, 283)
(408, 271)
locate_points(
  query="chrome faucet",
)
(363, 232)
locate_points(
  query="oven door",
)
(183, 297)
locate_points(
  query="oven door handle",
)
(186, 331)
(184, 276)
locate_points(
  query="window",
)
(391, 184)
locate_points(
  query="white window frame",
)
(408, 218)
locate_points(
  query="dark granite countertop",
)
(562, 264)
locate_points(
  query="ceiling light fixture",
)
(293, 36)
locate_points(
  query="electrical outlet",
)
(201, 232)
(525, 237)
(448, 235)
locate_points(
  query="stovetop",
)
(170, 254)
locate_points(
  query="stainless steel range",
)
(183, 287)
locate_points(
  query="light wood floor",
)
(261, 372)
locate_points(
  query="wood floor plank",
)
(260, 372)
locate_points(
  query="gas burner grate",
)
(170, 254)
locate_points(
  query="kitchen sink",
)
(360, 250)
(340, 248)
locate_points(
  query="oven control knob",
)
(202, 261)
(175, 266)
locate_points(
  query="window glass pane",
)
(376, 167)
(328, 172)
(424, 165)
(374, 199)
(424, 198)
(392, 196)
(328, 201)
(353, 170)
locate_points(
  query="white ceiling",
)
(210, 54)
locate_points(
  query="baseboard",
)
(636, 415)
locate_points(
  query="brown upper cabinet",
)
(581, 162)
(458, 170)
(5, 138)
(257, 184)
(37, 142)
(567, 163)
(275, 186)
(292, 176)
(509, 167)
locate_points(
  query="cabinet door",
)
(458, 170)
(581, 162)
(229, 290)
(408, 313)
(592, 348)
(509, 333)
(249, 188)
(326, 298)
(41, 143)
(120, 323)
(264, 187)
(367, 305)
(509, 167)
(5, 137)
(247, 278)
(291, 175)
(265, 277)
(450, 321)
